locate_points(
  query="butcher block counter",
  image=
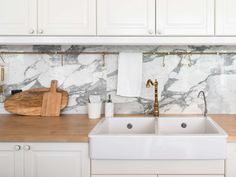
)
(71, 128)
(67, 128)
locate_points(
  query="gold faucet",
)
(156, 105)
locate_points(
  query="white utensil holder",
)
(94, 110)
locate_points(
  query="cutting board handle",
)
(53, 87)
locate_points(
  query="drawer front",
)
(231, 160)
(190, 175)
(124, 175)
(153, 167)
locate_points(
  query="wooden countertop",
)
(228, 123)
(67, 128)
(71, 128)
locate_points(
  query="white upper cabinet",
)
(66, 17)
(185, 17)
(18, 17)
(126, 17)
(226, 17)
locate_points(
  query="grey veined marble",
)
(180, 77)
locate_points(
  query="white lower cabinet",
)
(157, 175)
(190, 175)
(44, 160)
(11, 160)
(231, 160)
(124, 175)
(157, 168)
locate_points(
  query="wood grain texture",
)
(66, 128)
(30, 102)
(52, 101)
(228, 123)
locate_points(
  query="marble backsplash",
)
(180, 79)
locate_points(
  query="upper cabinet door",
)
(18, 17)
(126, 17)
(185, 17)
(226, 17)
(66, 17)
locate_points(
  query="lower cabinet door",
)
(190, 175)
(124, 175)
(231, 160)
(57, 160)
(11, 158)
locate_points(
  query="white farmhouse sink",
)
(162, 138)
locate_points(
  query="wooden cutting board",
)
(51, 105)
(30, 102)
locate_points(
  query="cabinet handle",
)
(40, 31)
(27, 147)
(150, 31)
(17, 147)
(31, 31)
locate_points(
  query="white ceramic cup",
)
(94, 110)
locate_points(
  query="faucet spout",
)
(156, 104)
(205, 103)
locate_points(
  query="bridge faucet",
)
(156, 105)
(205, 103)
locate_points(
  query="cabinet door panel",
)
(67, 17)
(122, 17)
(18, 17)
(231, 160)
(225, 17)
(10, 161)
(124, 175)
(190, 175)
(185, 17)
(57, 160)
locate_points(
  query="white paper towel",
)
(129, 74)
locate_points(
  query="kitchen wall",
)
(180, 79)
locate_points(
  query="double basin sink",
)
(161, 138)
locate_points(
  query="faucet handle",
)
(149, 83)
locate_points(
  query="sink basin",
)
(116, 126)
(162, 138)
(187, 126)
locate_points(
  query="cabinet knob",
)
(31, 31)
(17, 147)
(150, 31)
(40, 31)
(27, 147)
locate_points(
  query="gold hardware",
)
(2, 73)
(156, 105)
(1, 89)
